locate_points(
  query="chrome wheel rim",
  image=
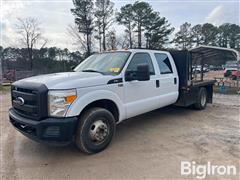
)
(99, 131)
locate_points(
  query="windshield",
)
(104, 63)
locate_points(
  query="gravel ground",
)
(150, 146)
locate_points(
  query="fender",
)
(82, 101)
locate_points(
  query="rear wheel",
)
(201, 99)
(95, 130)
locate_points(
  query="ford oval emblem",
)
(20, 101)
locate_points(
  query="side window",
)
(141, 58)
(163, 63)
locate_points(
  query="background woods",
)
(99, 26)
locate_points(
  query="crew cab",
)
(84, 106)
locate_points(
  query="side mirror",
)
(143, 73)
(130, 76)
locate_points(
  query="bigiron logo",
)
(203, 170)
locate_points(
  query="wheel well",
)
(104, 103)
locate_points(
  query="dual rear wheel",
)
(201, 102)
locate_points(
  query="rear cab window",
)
(164, 63)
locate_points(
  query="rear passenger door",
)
(168, 79)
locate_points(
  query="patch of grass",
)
(4, 89)
(228, 90)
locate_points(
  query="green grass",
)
(228, 90)
(4, 89)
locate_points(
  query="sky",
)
(55, 16)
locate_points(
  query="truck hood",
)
(68, 80)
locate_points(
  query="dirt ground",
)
(150, 146)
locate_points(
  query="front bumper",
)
(57, 131)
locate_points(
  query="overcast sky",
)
(55, 16)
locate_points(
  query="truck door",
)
(140, 96)
(168, 79)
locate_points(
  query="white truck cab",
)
(84, 106)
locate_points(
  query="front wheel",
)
(95, 130)
(201, 99)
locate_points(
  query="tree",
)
(123, 41)
(157, 31)
(83, 13)
(42, 53)
(1, 58)
(209, 33)
(79, 39)
(141, 13)
(183, 38)
(196, 33)
(30, 34)
(98, 25)
(103, 14)
(52, 53)
(111, 40)
(229, 35)
(235, 36)
(125, 17)
(223, 36)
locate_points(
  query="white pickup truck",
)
(84, 106)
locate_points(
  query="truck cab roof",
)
(142, 50)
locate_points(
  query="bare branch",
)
(78, 38)
(30, 34)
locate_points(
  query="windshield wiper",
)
(92, 70)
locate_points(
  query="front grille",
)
(34, 97)
(30, 106)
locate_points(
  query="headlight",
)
(59, 101)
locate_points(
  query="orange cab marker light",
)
(70, 99)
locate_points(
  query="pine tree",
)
(141, 15)
(196, 33)
(183, 38)
(104, 14)
(209, 33)
(83, 13)
(125, 17)
(157, 31)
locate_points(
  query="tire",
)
(201, 99)
(95, 130)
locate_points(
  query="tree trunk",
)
(130, 40)
(130, 35)
(1, 72)
(88, 45)
(30, 57)
(104, 38)
(197, 41)
(139, 36)
(100, 38)
(100, 43)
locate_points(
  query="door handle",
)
(175, 80)
(157, 83)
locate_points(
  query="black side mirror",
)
(130, 76)
(143, 73)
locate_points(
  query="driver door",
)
(140, 96)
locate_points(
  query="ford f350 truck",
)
(84, 106)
